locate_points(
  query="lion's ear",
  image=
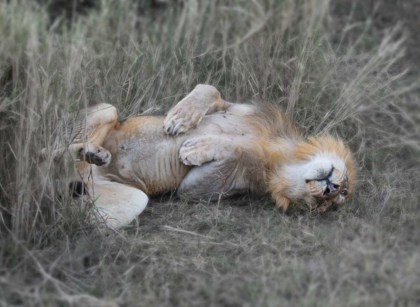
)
(282, 202)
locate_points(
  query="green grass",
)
(336, 73)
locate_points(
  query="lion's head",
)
(320, 173)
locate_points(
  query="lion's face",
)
(329, 174)
(327, 183)
(320, 175)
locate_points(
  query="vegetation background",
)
(346, 67)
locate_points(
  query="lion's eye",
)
(344, 192)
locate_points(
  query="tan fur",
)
(206, 146)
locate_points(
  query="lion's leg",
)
(223, 168)
(91, 127)
(115, 204)
(204, 99)
(199, 150)
(87, 134)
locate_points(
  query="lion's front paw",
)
(96, 155)
(197, 151)
(182, 118)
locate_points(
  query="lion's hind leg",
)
(86, 134)
(116, 205)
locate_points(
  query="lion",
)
(206, 148)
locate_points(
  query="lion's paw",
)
(197, 151)
(96, 155)
(182, 118)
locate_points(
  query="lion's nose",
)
(331, 188)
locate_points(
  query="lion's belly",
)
(145, 157)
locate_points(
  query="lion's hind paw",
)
(97, 155)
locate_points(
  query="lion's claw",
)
(180, 120)
(196, 151)
(98, 156)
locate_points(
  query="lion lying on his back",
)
(206, 147)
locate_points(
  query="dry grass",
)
(330, 74)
